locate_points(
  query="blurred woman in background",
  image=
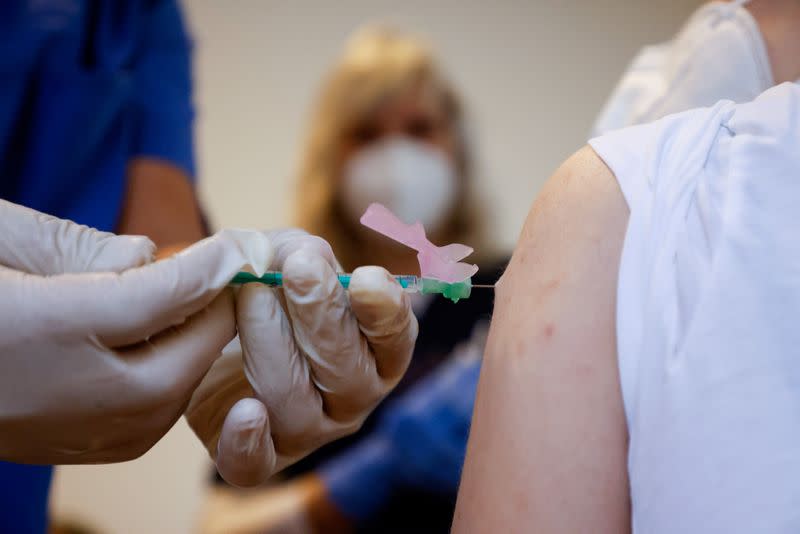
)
(387, 128)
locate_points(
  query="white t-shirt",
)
(708, 315)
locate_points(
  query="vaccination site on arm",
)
(308, 268)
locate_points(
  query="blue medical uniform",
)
(85, 86)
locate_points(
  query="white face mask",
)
(415, 181)
(718, 54)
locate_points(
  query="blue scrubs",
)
(85, 86)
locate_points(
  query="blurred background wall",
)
(533, 73)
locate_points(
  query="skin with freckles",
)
(548, 443)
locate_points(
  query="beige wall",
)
(533, 73)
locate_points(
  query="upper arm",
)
(548, 446)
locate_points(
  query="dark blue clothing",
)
(85, 86)
(23, 497)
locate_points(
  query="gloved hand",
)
(99, 350)
(420, 440)
(314, 361)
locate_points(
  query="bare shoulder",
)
(582, 192)
(570, 243)
(547, 452)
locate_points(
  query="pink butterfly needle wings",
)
(440, 263)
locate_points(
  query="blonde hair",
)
(378, 64)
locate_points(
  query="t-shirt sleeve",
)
(655, 165)
(626, 152)
(163, 94)
(646, 158)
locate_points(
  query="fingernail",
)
(303, 271)
(375, 293)
(249, 436)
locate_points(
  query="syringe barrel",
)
(269, 278)
(409, 282)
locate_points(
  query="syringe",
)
(409, 282)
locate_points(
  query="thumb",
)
(125, 308)
(36, 243)
(245, 451)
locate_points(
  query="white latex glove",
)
(99, 350)
(314, 361)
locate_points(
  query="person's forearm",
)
(297, 507)
(160, 203)
(323, 514)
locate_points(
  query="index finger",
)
(384, 316)
(327, 331)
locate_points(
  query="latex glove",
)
(99, 350)
(314, 361)
(420, 440)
